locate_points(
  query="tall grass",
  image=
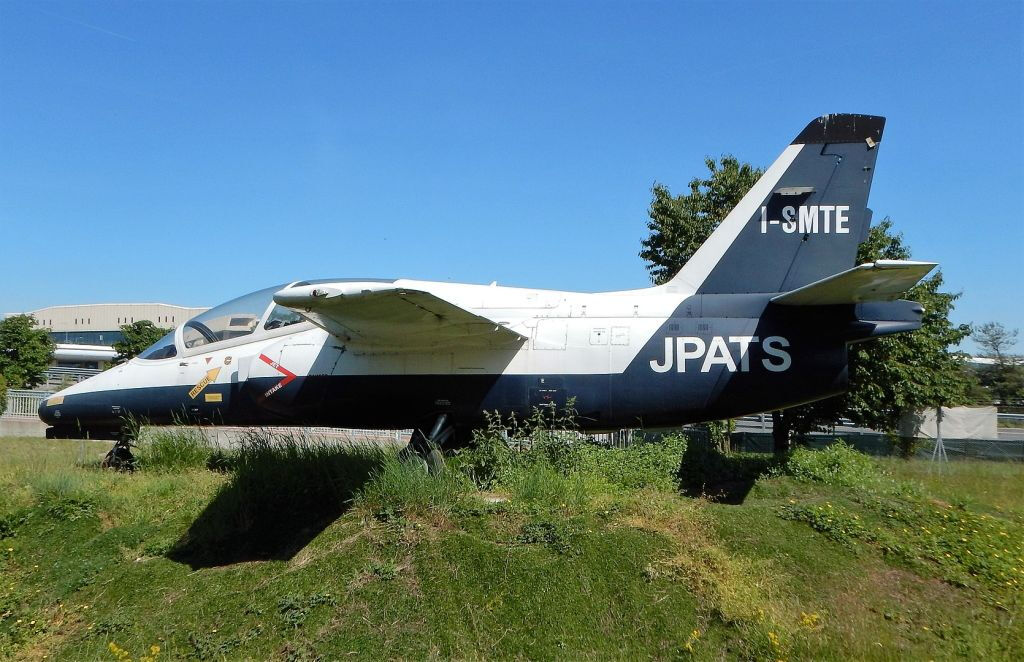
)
(402, 486)
(284, 489)
(173, 449)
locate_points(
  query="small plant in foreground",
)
(556, 536)
(295, 608)
(123, 655)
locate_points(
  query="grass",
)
(293, 549)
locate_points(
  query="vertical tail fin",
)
(802, 221)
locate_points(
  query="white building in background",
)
(85, 334)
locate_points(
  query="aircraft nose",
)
(49, 409)
(84, 406)
(78, 410)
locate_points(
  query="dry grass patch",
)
(745, 593)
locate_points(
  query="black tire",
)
(423, 453)
(435, 462)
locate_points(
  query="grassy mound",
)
(546, 548)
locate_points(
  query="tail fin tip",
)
(842, 128)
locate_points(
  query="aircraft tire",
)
(435, 462)
(429, 458)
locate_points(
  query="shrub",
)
(549, 437)
(649, 464)
(839, 464)
(533, 457)
(489, 455)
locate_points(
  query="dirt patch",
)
(106, 521)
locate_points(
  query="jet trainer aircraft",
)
(758, 319)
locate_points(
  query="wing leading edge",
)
(884, 280)
(387, 317)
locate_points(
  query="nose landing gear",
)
(425, 449)
(120, 456)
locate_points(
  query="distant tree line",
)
(1001, 382)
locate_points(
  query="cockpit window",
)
(280, 317)
(161, 349)
(234, 319)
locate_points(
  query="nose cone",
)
(85, 405)
(49, 409)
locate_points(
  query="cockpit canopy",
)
(234, 319)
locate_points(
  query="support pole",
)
(939, 452)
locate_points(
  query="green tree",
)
(136, 337)
(1004, 379)
(25, 352)
(3, 395)
(679, 224)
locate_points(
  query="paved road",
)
(1011, 434)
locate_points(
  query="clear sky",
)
(191, 152)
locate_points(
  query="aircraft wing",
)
(386, 316)
(883, 280)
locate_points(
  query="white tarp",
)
(957, 423)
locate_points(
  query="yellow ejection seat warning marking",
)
(204, 382)
(214, 397)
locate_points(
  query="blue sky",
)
(190, 152)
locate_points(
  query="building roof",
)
(110, 316)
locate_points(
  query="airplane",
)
(759, 319)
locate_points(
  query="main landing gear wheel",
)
(425, 449)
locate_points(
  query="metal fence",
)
(24, 404)
(882, 445)
(59, 377)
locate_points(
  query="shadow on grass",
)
(706, 472)
(282, 494)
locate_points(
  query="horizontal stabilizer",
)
(384, 316)
(883, 280)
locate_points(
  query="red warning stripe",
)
(288, 375)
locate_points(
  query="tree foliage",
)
(1004, 379)
(3, 395)
(679, 224)
(889, 376)
(136, 337)
(25, 352)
